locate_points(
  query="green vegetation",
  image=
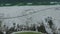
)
(28, 33)
(0, 23)
(28, 2)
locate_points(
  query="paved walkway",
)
(24, 31)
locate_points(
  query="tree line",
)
(13, 1)
(24, 2)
